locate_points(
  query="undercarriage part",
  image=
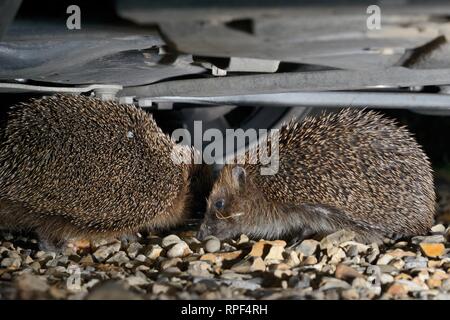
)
(100, 89)
(47, 51)
(350, 99)
(8, 10)
(293, 82)
(327, 33)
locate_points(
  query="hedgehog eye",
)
(219, 204)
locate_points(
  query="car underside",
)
(231, 64)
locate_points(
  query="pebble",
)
(137, 281)
(413, 263)
(432, 250)
(399, 253)
(410, 285)
(243, 239)
(332, 283)
(170, 240)
(181, 249)
(374, 251)
(352, 251)
(111, 290)
(293, 259)
(11, 263)
(336, 238)
(275, 253)
(119, 258)
(154, 252)
(337, 256)
(159, 288)
(397, 264)
(397, 290)
(87, 260)
(200, 269)
(350, 294)
(346, 273)
(212, 244)
(307, 247)
(250, 264)
(386, 278)
(258, 247)
(103, 252)
(141, 258)
(385, 259)
(30, 282)
(179, 266)
(168, 263)
(438, 238)
(311, 260)
(219, 257)
(133, 249)
(438, 229)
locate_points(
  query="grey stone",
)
(103, 252)
(437, 238)
(415, 262)
(119, 258)
(307, 247)
(133, 249)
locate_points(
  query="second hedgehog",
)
(73, 166)
(350, 170)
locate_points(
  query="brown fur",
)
(351, 170)
(73, 166)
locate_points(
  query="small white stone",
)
(438, 229)
(212, 244)
(385, 259)
(181, 249)
(154, 252)
(386, 278)
(170, 240)
(141, 258)
(137, 281)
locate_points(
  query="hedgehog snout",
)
(204, 231)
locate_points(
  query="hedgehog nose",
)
(203, 232)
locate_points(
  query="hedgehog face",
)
(224, 214)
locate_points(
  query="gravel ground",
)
(178, 266)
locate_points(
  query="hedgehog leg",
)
(55, 233)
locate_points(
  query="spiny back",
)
(101, 165)
(355, 161)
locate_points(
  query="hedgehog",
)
(76, 167)
(352, 170)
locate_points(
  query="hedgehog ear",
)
(238, 173)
